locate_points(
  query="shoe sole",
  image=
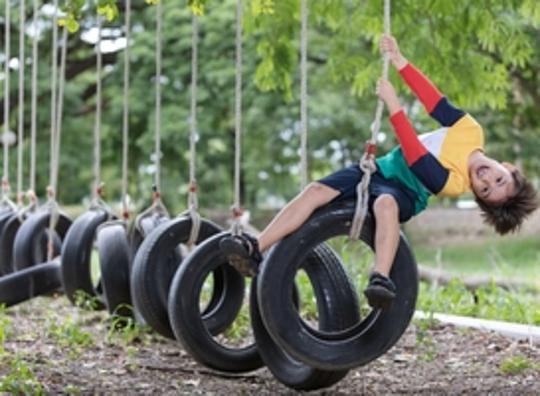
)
(237, 257)
(379, 297)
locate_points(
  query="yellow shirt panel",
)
(462, 138)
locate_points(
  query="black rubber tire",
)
(7, 238)
(114, 257)
(77, 253)
(189, 324)
(7, 242)
(5, 214)
(145, 227)
(140, 229)
(30, 282)
(353, 347)
(153, 269)
(29, 248)
(338, 308)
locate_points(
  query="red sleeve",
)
(411, 146)
(422, 87)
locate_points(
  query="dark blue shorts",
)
(346, 180)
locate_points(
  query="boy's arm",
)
(433, 100)
(421, 162)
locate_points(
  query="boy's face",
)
(492, 181)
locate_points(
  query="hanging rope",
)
(157, 204)
(97, 189)
(54, 85)
(55, 151)
(60, 109)
(20, 132)
(237, 211)
(125, 118)
(367, 163)
(193, 204)
(7, 55)
(303, 94)
(157, 151)
(33, 121)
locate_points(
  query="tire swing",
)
(112, 236)
(31, 280)
(49, 219)
(10, 226)
(79, 278)
(155, 215)
(370, 337)
(8, 209)
(337, 302)
(154, 266)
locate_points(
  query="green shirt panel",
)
(394, 167)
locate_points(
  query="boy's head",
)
(503, 194)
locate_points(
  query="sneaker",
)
(242, 252)
(380, 292)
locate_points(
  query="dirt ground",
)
(428, 360)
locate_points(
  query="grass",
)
(20, 380)
(517, 364)
(488, 302)
(512, 258)
(5, 323)
(69, 334)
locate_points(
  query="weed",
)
(86, 301)
(5, 323)
(20, 380)
(69, 334)
(124, 329)
(517, 364)
(424, 340)
(72, 390)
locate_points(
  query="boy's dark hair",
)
(509, 216)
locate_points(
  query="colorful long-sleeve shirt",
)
(432, 163)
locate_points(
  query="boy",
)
(447, 162)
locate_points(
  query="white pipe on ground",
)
(513, 330)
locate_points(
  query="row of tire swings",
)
(155, 268)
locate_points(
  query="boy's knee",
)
(386, 205)
(318, 193)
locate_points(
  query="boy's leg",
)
(386, 211)
(381, 290)
(244, 253)
(295, 213)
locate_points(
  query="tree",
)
(483, 56)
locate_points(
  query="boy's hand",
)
(385, 90)
(389, 46)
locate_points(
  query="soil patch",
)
(71, 351)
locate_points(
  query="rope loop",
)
(238, 225)
(195, 217)
(195, 227)
(54, 210)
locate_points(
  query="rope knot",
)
(20, 197)
(50, 192)
(237, 212)
(31, 195)
(100, 190)
(370, 148)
